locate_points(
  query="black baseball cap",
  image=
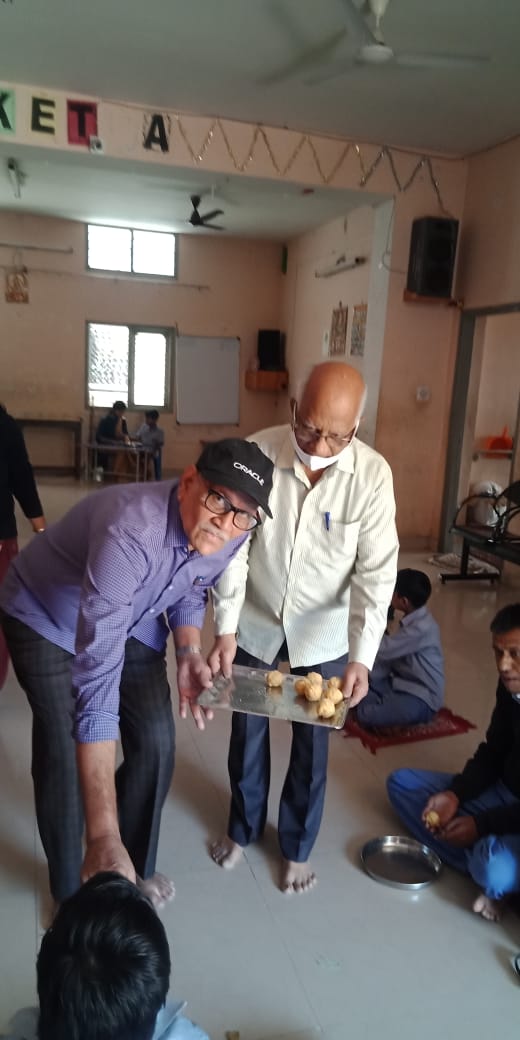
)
(240, 465)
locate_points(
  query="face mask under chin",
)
(315, 462)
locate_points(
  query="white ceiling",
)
(222, 57)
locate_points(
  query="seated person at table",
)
(151, 436)
(113, 430)
(406, 684)
(472, 819)
(103, 971)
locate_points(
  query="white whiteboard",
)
(207, 372)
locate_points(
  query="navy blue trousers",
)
(249, 763)
(493, 861)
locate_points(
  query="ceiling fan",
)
(198, 220)
(367, 46)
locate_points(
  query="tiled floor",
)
(351, 960)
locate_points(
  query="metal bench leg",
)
(463, 574)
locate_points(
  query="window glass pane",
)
(154, 253)
(107, 363)
(150, 369)
(109, 248)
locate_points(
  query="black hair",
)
(414, 586)
(103, 969)
(506, 619)
(118, 405)
(152, 413)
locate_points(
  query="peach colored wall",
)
(309, 301)
(500, 378)
(498, 393)
(418, 348)
(42, 347)
(489, 262)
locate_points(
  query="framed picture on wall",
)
(17, 286)
(359, 325)
(338, 331)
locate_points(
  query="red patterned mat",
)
(445, 724)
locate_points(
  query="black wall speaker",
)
(270, 350)
(432, 256)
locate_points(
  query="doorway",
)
(485, 405)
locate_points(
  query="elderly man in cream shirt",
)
(311, 587)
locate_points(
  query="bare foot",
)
(489, 908)
(226, 853)
(158, 889)
(297, 877)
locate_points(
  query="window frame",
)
(142, 275)
(133, 329)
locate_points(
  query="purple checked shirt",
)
(104, 573)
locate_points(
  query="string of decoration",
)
(259, 134)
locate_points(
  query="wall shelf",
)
(443, 301)
(261, 379)
(488, 453)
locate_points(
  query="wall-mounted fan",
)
(366, 46)
(204, 219)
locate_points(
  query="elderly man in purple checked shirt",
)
(82, 608)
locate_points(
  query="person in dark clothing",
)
(472, 819)
(112, 429)
(16, 482)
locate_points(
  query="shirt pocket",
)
(334, 550)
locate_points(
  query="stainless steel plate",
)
(247, 691)
(401, 862)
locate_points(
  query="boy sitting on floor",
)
(407, 680)
(103, 971)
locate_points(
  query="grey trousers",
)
(147, 738)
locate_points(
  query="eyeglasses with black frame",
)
(220, 505)
(310, 434)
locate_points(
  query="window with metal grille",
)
(128, 362)
(131, 250)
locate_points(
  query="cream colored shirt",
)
(320, 574)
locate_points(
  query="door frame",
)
(459, 399)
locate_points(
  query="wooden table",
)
(138, 454)
(70, 426)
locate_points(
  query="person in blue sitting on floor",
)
(406, 685)
(472, 819)
(103, 971)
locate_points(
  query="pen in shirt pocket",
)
(327, 521)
